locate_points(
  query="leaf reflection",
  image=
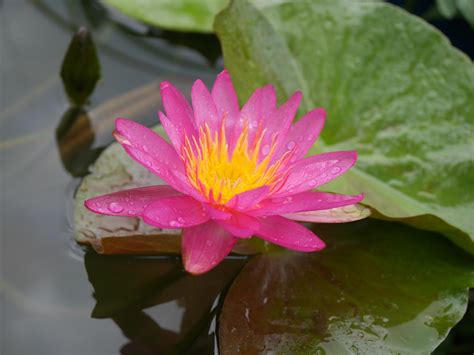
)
(75, 140)
(158, 307)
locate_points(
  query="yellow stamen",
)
(219, 176)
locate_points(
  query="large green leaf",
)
(378, 288)
(181, 15)
(394, 88)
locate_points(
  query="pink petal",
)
(281, 231)
(172, 177)
(259, 108)
(130, 133)
(204, 108)
(280, 123)
(217, 213)
(175, 212)
(130, 202)
(175, 136)
(240, 224)
(179, 113)
(225, 98)
(317, 170)
(335, 215)
(304, 201)
(303, 134)
(205, 246)
(248, 199)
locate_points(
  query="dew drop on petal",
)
(266, 149)
(291, 145)
(174, 223)
(312, 183)
(181, 220)
(336, 170)
(115, 207)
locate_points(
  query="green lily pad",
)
(394, 88)
(180, 15)
(378, 288)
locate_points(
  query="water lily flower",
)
(230, 173)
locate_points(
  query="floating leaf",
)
(80, 70)
(378, 288)
(394, 88)
(181, 15)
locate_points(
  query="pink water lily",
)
(230, 173)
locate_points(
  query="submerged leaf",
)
(394, 88)
(80, 70)
(378, 288)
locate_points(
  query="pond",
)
(59, 297)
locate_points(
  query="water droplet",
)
(266, 149)
(247, 314)
(181, 220)
(115, 207)
(174, 223)
(361, 335)
(291, 145)
(312, 183)
(336, 170)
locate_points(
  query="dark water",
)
(48, 304)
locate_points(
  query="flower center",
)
(219, 175)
